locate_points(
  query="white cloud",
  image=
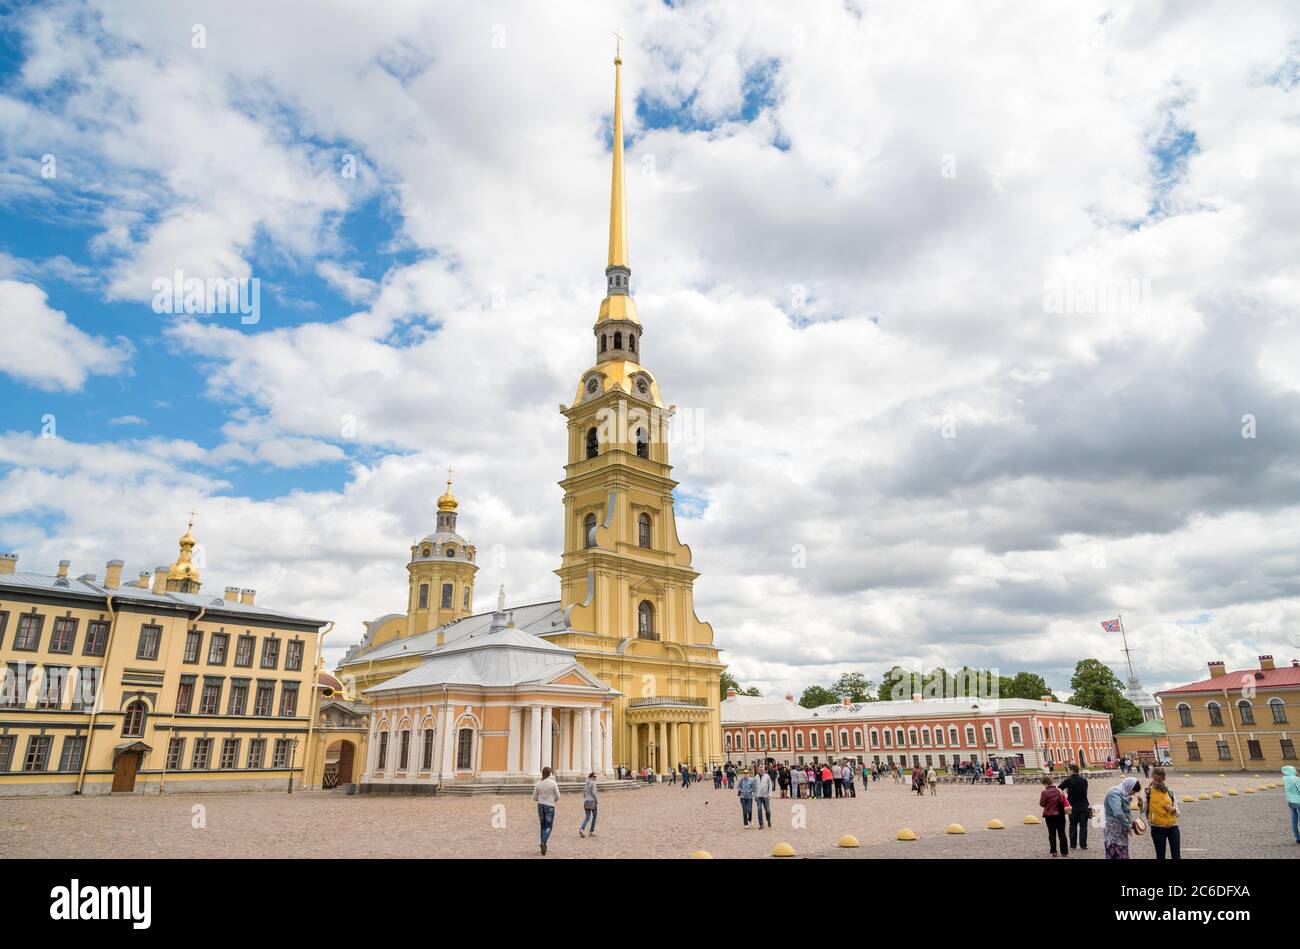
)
(46, 351)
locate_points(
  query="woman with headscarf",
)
(1119, 818)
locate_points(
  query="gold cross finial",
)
(449, 476)
(193, 514)
(618, 44)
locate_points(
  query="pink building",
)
(937, 732)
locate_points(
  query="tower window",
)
(424, 596)
(446, 596)
(631, 342)
(643, 530)
(589, 531)
(451, 551)
(604, 339)
(466, 598)
(425, 552)
(642, 443)
(593, 443)
(618, 340)
(645, 620)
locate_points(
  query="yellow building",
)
(1244, 719)
(626, 607)
(148, 684)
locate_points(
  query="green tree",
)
(752, 690)
(854, 686)
(1023, 685)
(728, 681)
(816, 695)
(894, 684)
(1097, 687)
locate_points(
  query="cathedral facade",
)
(640, 671)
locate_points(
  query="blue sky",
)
(841, 259)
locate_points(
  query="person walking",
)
(1291, 785)
(828, 777)
(918, 780)
(1161, 810)
(799, 778)
(547, 795)
(1119, 820)
(1076, 792)
(837, 776)
(763, 797)
(1052, 801)
(745, 791)
(931, 780)
(588, 806)
(849, 788)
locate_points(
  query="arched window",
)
(1278, 708)
(589, 530)
(952, 736)
(762, 740)
(645, 620)
(643, 530)
(771, 740)
(812, 738)
(899, 738)
(1184, 714)
(785, 740)
(642, 443)
(424, 596)
(593, 443)
(798, 741)
(857, 738)
(466, 606)
(618, 340)
(1247, 712)
(451, 551)
(425, 552)
(727, 740)
(631, 342)
(970, 735)
(844, 738)
(1216, 713)
(938, 736)
(1015, 734)
(133, 720)
(603, 340)
(875, 738)
(446, 596)
(911, 737)
(751, 741)
(465, 749)
(988, 734)
(889, 738)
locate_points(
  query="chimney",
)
(731, 693)
(789, 696)
(63, 567)
(440, 639)
(159, 579)
(916, 696)
(246, 597)
(1266, 663)
(1216, 668)
(8, 563)
(143, 580)
(1045, 698)
(113, 574)
(1295, 663)
(232, 594)
(845, 701)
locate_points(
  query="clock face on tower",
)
(642, 386)
(592, 384)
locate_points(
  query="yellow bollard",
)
(1217, 794)
(701, 855)
(1223, 775)
(783, 850)
(848, 840)
(905, 834)
(956, 829)
(1031, 819)
(1187, 799)
(996, 824)
(1232, 792)
(1203, 796)
(1250, 790)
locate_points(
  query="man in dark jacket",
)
(1076, 792)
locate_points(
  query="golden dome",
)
(448, 500)
(183, 568)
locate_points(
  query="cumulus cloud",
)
(980, 329)
(45, 350)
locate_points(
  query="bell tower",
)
(441, 570)
(626, 580)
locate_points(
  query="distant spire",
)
(501, 599)
(499, 619)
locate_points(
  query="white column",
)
(371, 748)
(449, 745)
(608, 757)
(586, 742)
(390, 771)
(535, 741)
(547, 717)
(512, 747)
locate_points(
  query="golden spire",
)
(618, 303)
(448, 500)
(617, 192)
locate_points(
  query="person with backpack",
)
(1076, 792)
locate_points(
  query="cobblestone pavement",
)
(661, 821)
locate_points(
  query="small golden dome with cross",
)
(448, 500)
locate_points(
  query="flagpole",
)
(1128, 654)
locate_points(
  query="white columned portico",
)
(597, 742)
(512, 746)
(390, 771)
(372, 748)
(449, 745)
(586, 742)
(535, 740)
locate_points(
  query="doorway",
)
(124, 771)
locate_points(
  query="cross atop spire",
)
(618, 46)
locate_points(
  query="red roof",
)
(1285, 677)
